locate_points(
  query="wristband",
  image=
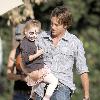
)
(86, 98)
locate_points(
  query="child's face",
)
(32, 33)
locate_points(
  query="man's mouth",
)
(53, 31)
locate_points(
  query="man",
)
(61, 51)
(21, 90)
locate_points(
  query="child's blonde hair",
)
(32, 23)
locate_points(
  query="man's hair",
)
(63, 15)
(32, 23)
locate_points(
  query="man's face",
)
(56, 28)
(32, 33)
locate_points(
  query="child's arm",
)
(39, 52)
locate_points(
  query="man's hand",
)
(23, 76)
(85, 84)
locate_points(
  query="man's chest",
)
(62, 50)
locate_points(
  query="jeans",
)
(20, 96)
(62, 92)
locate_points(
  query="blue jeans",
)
(61, 93)
(20, 96)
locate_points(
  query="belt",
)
(23, 92)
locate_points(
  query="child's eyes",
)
(31, 33)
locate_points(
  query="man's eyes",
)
(54, 24)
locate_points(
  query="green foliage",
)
(5, 85)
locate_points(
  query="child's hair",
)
(32, 23)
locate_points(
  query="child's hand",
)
(40, 52)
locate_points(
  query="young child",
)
(32, 60)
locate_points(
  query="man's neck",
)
(56, 39)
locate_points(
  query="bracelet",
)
(86, 98)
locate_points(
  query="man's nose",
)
(52, 27)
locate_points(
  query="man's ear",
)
(65, 27)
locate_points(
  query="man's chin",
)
(54, 35)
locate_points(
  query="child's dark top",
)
(29, 48)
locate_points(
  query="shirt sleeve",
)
(39, 41)
(81, 65)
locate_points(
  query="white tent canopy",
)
(6, 5)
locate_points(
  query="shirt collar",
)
(65, 37)
(47, 35)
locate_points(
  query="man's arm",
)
(82, 68)
(85, 84)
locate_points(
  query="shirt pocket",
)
(66, 57)
(47, 56)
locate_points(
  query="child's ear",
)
(25, 32)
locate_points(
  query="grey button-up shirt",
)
(60, 59)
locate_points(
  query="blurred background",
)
(86, 26)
